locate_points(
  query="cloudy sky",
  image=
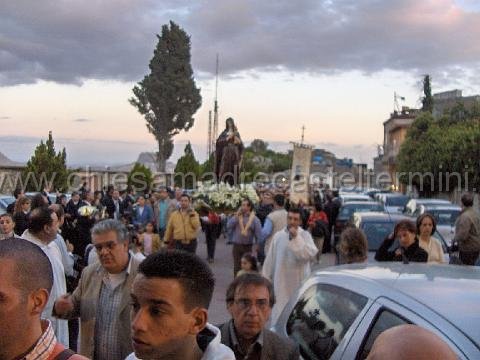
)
(331, 65)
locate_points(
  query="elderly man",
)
(42, 231)
(24, 292)
(170, 299)
(467, 232)
(250, 299)
(183, 227)
(102, 297)
(288, 260)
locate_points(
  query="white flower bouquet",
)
(223, 197)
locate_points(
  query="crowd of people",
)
(115, 275)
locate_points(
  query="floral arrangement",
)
(223, 197)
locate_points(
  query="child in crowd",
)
(248, 264)
(150, 242)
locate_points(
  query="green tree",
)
(439, 156)
(46, 168)
(187, 169)
(427, 99)
(140, 178)
(207, 166)
(258, 146)
(167, 97)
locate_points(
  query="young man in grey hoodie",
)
(170, 298)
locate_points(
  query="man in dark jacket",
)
(250, 299)
(409, 249)
(467, 232)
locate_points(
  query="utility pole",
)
(209, 143)
(215, 108)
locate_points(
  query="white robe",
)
(59, 288)
(287, 264)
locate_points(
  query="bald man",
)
(406, 342)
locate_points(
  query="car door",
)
(323, 319)
(386, 313)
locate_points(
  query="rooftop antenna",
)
(303, 133)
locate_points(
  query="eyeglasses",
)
(245, 304)
(109, 246)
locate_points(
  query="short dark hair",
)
(318, 206)
(405, 225)
(7, 215)
(185, 195)
(40, 217)
(193, 274)
(17, 192)
(38, 200)
(295, 210)
(36, 273)
(249, 279)
(467, 200)
(279, 199)
(424, 216)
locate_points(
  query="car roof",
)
(380, 216)
(442, 207)
(431, 201)
(363, 203)
(451, 291)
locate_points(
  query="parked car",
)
(394, 203)
(377, 226)
(348, 209)
(5, 200)
(338, 312)
(414, 204)
(344, 198)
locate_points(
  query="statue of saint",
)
(228, 154)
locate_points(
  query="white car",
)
(338, 312)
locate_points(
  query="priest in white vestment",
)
(288, 261)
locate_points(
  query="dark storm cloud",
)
(70, 41)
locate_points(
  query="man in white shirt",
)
(288, 260)
(42, 231)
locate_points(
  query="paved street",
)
(223, 270)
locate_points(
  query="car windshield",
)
(376, 232)
(399, 201)
(347, 211)
(445, 217)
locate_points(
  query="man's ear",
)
(200, 318)
(38, 301)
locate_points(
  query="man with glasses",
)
(102, 297)
(250, 299)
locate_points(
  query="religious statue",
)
(228, 154)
